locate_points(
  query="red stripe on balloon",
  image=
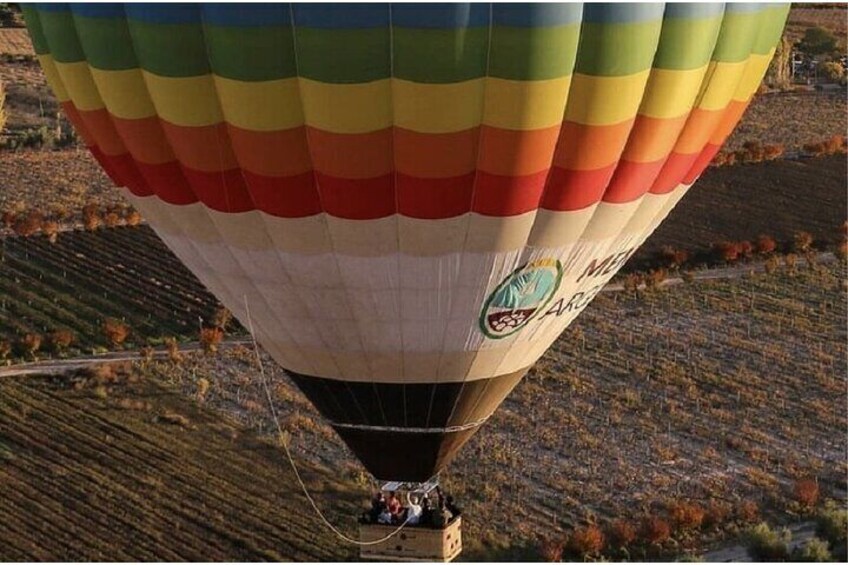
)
(574, 190)
(434, 198)
(168, 182)
(284, 197)
(702, 162)
(675, 168)
(357, 199)
(225, 191)
(631, 180)
(497, 195)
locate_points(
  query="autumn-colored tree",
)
(621, 533)
(112, 219)
(766, 244)
(655, 530)
(674, 258)
(727, 251)
(116, 331)
(60, 340)
(655, 278)
(28, 224)
(687, 515)
(173, 350)
(586, 541)
(60, 213)
(806, 492)
(30, 344)
(210, 338)
(772, 152)
(8, 218)
(50, 229)
(222, 318)
(632, 281)
(133, 218)
(91, 216)
(5, 349)
(747, 511)
(803, 241)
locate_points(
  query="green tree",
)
(817, 41)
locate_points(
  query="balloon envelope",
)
(413, 201)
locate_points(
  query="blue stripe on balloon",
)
(164, 13)
(536, 15)
(622, 13)
(341, 16)
(441, 16)
(246, 15)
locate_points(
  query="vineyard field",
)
(132, 471)
(84, 278)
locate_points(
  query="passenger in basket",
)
(413, 512)
(394, 506)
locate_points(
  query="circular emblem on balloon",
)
(520, 297)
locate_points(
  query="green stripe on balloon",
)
(33, 23)
(541, 53)
(106, 42)
(251, 53)
(440, 55)
(687, 43)
(343, 56)
(171, 50)
(617, 49)
(738, 31)
(771, 28)
(59, 28)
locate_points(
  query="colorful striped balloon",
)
(413, 200)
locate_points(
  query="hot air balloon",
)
(412, 201)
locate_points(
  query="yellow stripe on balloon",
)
(261, 106)
(347, 108)
(525, 104)
(188, 101)
(753, 75)
(722, 80)
(438, 108)
(53, 78)
(124, 93)
(671, 93)
(79, 85)
(605, 100)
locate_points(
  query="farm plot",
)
(778, 198)
(87, 277)
(128, 470)
(721, 393)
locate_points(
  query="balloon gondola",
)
(414, 200)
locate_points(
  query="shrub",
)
(655, 278)
(116, 331)
(622, 533)
(814, 551)
(655, 530)
(771, 152)
(841, 250)
(5, 349)
(803, 242)
(833, 70)
(806, 492)
(112, 220)
(586, 541)
(766, 244)
(202, 388)
(50, 229)
(29, 224)
(765, 544)
(747, 511)
(632, 281)
(716, 514)
(8, 219)
(60, 340)
(550, 550)
(687, 515)
(746, 249)
(210, 338)
(674, 258)
(726, 251)
(146, 353)
(133, 218)
(173, 350)
(222, 318)
(832, 523)
(91, 216)
(790, 260)
(30, 344)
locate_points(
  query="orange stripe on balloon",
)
(351, 156)
(587, 148)
(145, 139)
(699, 127)
(730, 117)
(76, 120)
(508, 152)
(204, 149)
(435, 155)
(652, 138)
(282, 153)
(99, 124)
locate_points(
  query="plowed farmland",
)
(84, 478)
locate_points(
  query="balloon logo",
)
(519, 297)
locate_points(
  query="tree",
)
(833, 71)
(817, 41)
(61, 340)
(116, 331)
(210, 338)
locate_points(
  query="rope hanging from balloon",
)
(281, 436)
